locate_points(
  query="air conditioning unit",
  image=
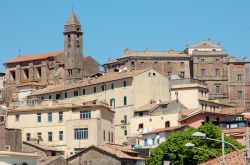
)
(7, 148)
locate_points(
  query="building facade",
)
(123, 92)
(227, 78)
(68, 127)
(165, 62)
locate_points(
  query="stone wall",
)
(14, 139)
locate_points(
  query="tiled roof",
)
(58, 105)
(41, 146)
(187, 113)
(169, 129)
(18, 154)
(89, 81)
(152, 105)
(128, 53)
(232, 110)
(115, 150)
(34, 57)
(233, 158)
(48, 160)
(205, 44)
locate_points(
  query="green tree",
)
(174, 148)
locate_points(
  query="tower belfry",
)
(73, 55)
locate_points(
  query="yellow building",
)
(154, 115)
(66, 126)
(123, 91)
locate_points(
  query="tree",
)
(174, 148)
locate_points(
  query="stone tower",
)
(73, 55)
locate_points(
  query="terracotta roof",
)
(48, 160)
(152, 105)
(18, 153)
(41, 146)
(187, 113)
(119, 151)
(146, 53)
(112, 76)
(205, 44)
(169, 129)
(232, 110)
(55, 106)
(233, 158)
(34, 57)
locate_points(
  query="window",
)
(182, 64)
(124, 83)
(109, 136)
(217, 72)
(85, 114)
(112, 86)
(112, 137)
(17, 117)
(112, 103)
(155, 63)
(39, 117)
(145, 142)
(140, 113)
(49, 96)
(1, 119)
(140, 125)
(207, 118)
(49, 136)
(203, 73)
(49, 117)
(217, 60)
(132, 65)
(217, 89)
(94, 89)
(104, 138)
(142, 64)
(60, 116)
(125, 119)
(239, 78)
(202, 60)
(27, 136)
(65, 95)
(76, 93)
(81, 133)
(125, 132)
(153, 141)
(125, 100)
(182, 74)
(83, 92)
(167, 124)
(103, 87)
(58, 96)
(240, 95)
(39, 135)
(60, 135)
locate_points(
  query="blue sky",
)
(110, 26)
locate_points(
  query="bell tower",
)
(73, 55)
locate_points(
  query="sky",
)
(30, 27)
